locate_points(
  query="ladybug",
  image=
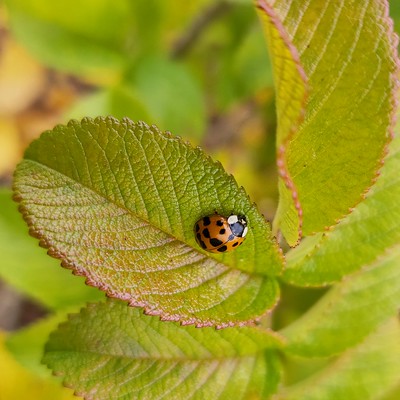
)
(218, 234)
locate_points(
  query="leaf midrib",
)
(131, 212)
(158, 358)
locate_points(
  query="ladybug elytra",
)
(218, 234)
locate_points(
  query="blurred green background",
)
(199, 69)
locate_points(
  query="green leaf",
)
(25, 266)
(171, 94)
(141, 357)
(371, 229)
(118, 201)
(331, 144)
(395, 14)
(366, 372)
(67, 35)
(118, 101)
(350, 311)
(291, 92)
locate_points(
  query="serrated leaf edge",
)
(147, 308)
(376, 263)
(393, 45)
(283, 170)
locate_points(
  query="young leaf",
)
(291, 87)
(371, 229)
(350, 311)
(349, 61)
(27, 268)
(117, 201)
(366, 372)
(141, 357)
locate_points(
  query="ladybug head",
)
(238, 225)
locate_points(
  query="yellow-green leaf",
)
(330, 145)
(110, 351)
(366, 372)
(117, 202)
(370, 230)
(349, 311)
(25, 266)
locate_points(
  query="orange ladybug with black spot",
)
(218, 234)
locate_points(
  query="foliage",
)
(320, 131)
(116, 202)
(176, 362)
(40, 278)
(123, 210)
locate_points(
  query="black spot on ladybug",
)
(215, 242)
(202, 244)
(206, 233)
(212, 233)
